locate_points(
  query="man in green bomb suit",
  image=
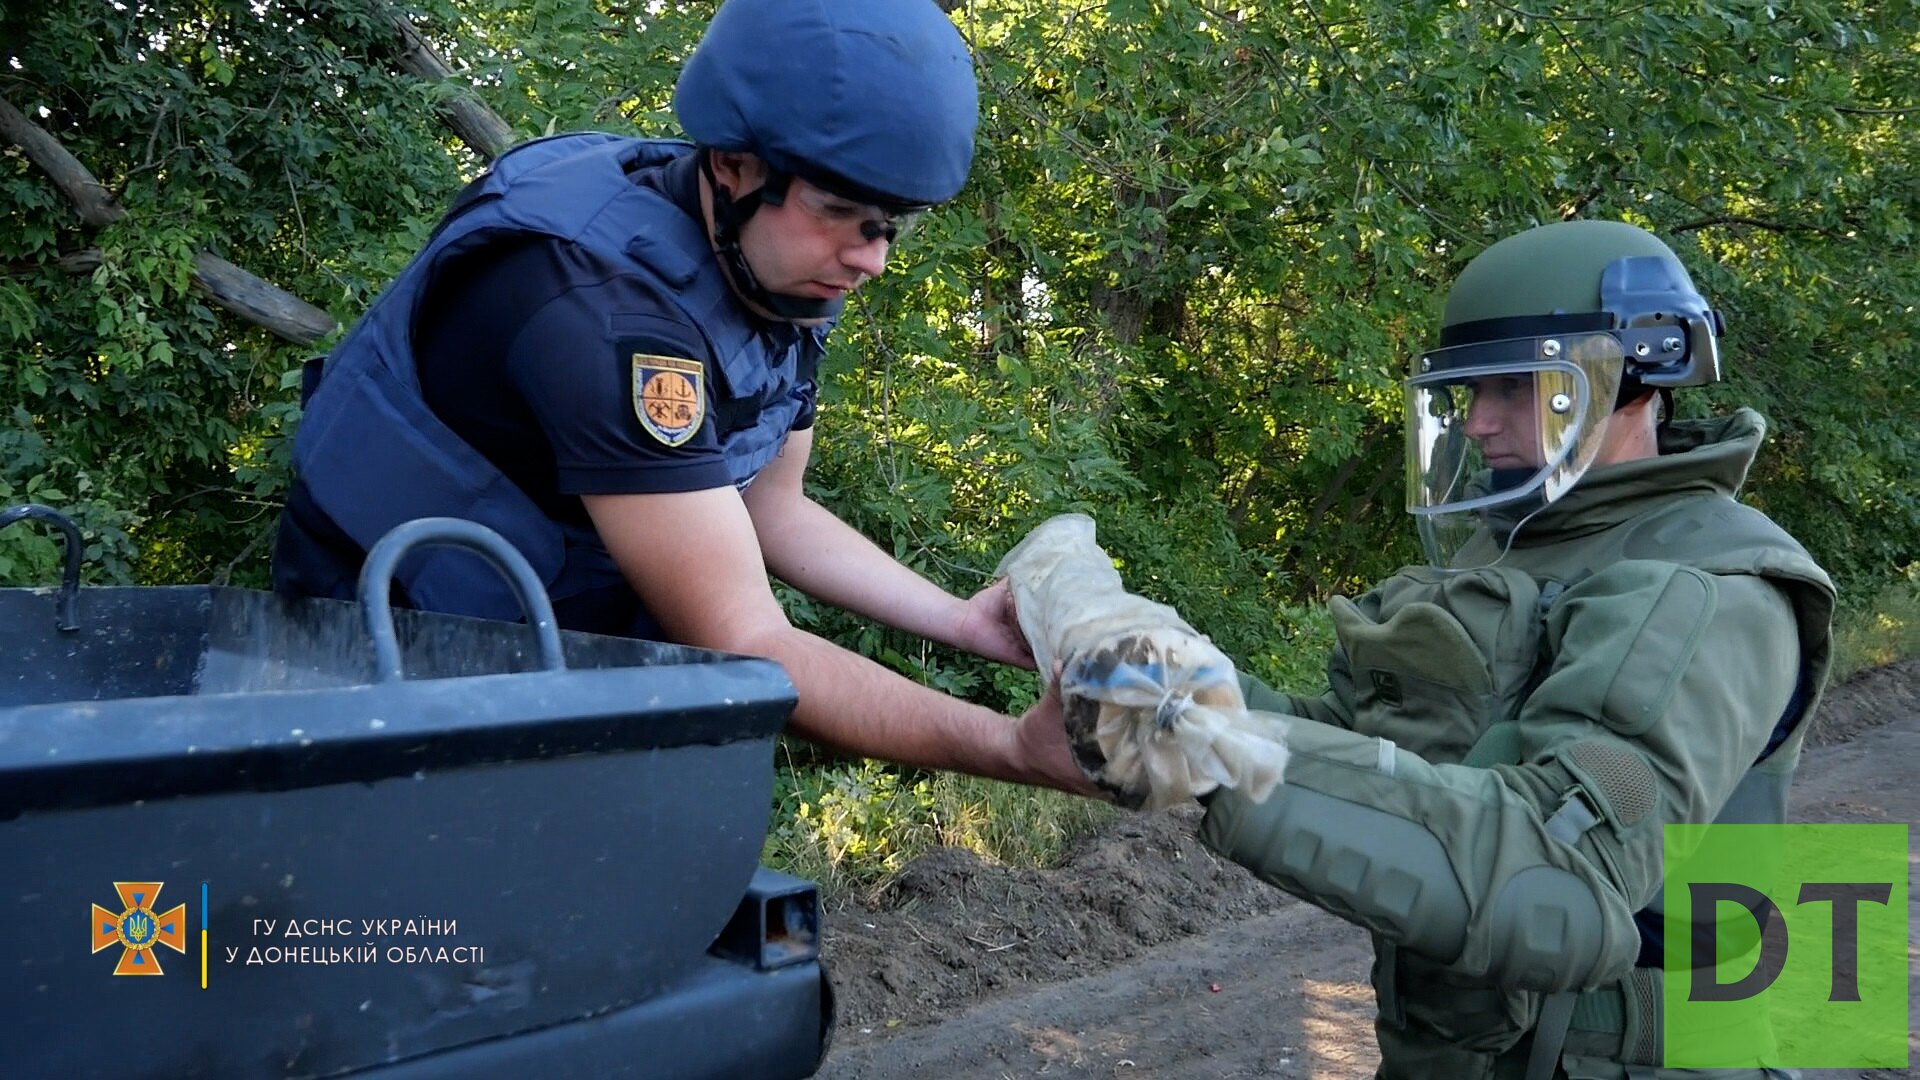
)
(1605, 642)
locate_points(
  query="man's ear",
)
(737, 171)
(1641, 408)
(1642, 413)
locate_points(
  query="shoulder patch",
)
(669, 396)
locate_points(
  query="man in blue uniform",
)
(607, 353)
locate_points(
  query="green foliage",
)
(1199, 245)
(833, 824)
(271, 135)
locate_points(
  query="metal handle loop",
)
(376, 582)
(66, 604)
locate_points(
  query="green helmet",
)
(1544, 336)
(1590, 275)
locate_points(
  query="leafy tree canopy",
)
(1200, 244)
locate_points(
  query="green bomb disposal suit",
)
(1484, 785)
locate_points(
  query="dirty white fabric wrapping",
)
(1153, 709)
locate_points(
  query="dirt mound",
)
(952, 927)
(1868, 699)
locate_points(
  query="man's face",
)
(1501, 417)
(813, 244)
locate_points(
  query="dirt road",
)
(1145, 958)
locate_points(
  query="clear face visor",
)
(1498, 429)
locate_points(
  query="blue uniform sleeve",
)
(807, 389)
(808, 395)
(621, 388)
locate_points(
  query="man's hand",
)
(1041, 749)
(989, 628)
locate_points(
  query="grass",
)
(1883, 630)
(850, 826)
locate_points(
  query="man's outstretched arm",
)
(807, 546)
(695, 560)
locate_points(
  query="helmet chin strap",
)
(729, 216)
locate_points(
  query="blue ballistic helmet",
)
(873, 100)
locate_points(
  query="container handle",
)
(376, 582)
(66, 604)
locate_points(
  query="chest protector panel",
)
(1438, 658)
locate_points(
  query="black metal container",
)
(412, 844)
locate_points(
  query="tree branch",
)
(253, 299)
(88, 195)
(478, 126)
(1757, 223)
(258, 301)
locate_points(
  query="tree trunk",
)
(1134, 308)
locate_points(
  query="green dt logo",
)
(1786, 946)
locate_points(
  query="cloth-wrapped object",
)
(1153, 710)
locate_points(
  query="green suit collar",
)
(1697, 457)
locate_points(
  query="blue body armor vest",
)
(369, 454)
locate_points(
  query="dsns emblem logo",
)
(137, 928)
